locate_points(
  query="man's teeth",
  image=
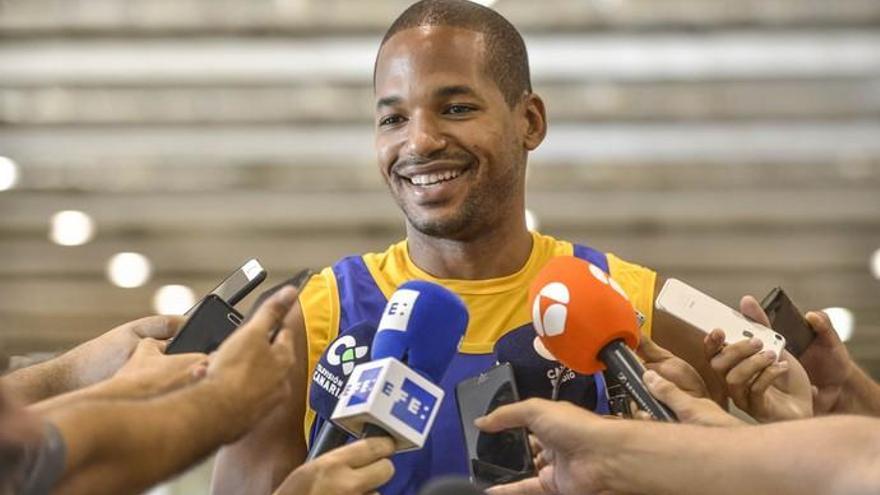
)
(431, 179)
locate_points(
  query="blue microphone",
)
(422, 326)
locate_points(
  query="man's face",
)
(449, 146)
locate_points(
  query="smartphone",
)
(706, 314)
(788, 320)
(494, 458)
(214, 318)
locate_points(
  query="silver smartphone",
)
(706, 314)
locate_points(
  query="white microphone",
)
(389, 395)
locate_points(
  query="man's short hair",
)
(507, 61)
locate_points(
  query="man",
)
(586, 454)
(455, 120)
(116, 437)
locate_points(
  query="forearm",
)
(41, 381)
(115, 388)
(839, 455)
(860, 395)
(126, 446)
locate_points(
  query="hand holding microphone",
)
(584, 318)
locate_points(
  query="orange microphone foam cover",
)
(577, 309)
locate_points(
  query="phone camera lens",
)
(748, 334)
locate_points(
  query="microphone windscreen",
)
(577, 309)
(450, 485)
(426, 322)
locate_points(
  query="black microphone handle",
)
(329, 438)
(628, 370)
(371, 430)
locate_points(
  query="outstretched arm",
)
(838, 455)
(124, 446)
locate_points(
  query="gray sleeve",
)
(46, 464)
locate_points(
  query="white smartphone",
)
(706, 314)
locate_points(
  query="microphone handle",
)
(329, 438)
(625, 366)
(371, 430)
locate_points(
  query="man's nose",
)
(425, 136)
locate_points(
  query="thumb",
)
(666, 391)
(650, 351)
(822, 326)
(750, 307)
(511, 416)
(271, 313)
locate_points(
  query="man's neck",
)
(495, 254)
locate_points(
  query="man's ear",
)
(534, 117)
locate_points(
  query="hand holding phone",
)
(706, 314)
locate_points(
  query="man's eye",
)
(390, 120)
(459, 109)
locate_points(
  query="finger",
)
(513, 416)
(158, 327)
(198, 370)
(282, 348)
(187, 359)
(149, 345)
(765, 379)
(667, 393)
(747, 370)
(821, 324)
(271, 313)
(642, 416)
(535, 445)
(363, 452)
(651, 352)
(713, 343)
(529, 486)
(751, 308)
(734, 354)
(372, 476)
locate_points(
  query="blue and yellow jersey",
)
(342, 306)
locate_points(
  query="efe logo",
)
(362, 389)
(550, 310)
(413, 405)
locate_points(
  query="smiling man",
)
(455, 120)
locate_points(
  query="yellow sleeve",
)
(319, 301)
(638, 283)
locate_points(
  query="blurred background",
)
(148, 148)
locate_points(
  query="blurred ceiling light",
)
(842, 320)
(531, 220)
(485, 3)
(875, 264)
(71, 228)
(129, 270)
(8, 173)
(173, 299)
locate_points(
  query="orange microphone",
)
(585, 320)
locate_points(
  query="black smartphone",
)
(212, 320)
(494, 458)
(787, 320)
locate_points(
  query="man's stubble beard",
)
(482, 210)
